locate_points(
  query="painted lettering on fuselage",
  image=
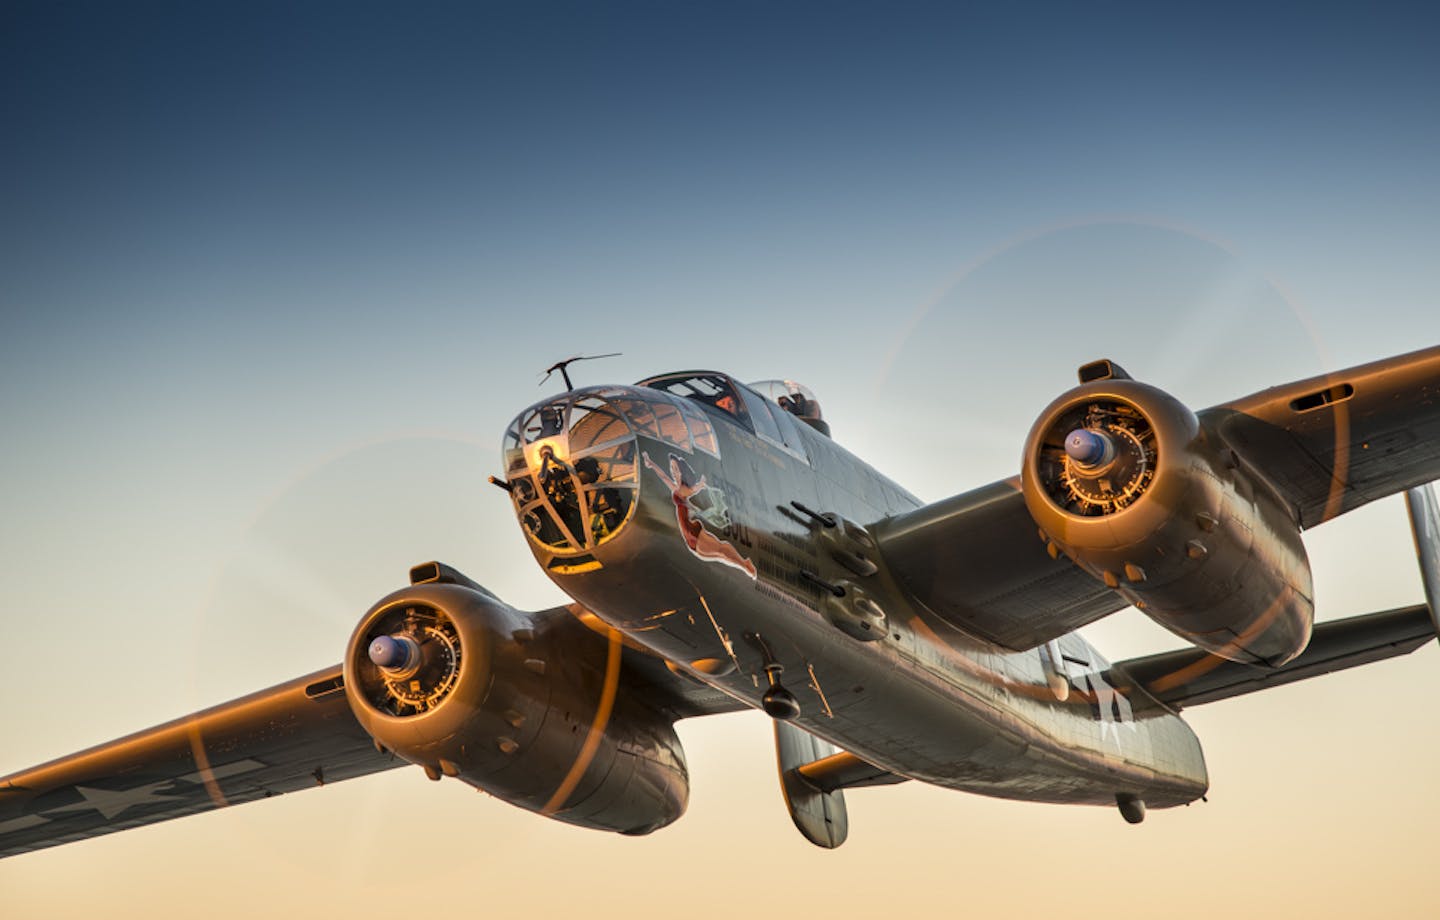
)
(700, 513)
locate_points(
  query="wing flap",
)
(1336, 441)
(297, 735)
(1189, 677)
(976, 561)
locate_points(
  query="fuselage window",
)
(514, 456)
(672, 426)
(701, 430)
(640, 416)
(592, 425)
(790, 433)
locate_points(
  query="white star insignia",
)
(111, 803)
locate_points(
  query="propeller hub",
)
(1089, 447)
(393, 653)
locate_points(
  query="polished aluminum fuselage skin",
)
(927, 701)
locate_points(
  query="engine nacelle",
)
(448, 677)
(1128, 482)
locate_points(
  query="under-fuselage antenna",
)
(562, 367)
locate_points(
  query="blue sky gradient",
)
(274, 276)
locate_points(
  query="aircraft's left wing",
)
(1327, 445)
(1334, 442)
(297, 735)
(976, 562)
(1189, 677)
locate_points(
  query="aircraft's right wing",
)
(298, 735)
(1191, 676)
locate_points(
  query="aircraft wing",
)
(976, 561)
(1327, 444)
(298, 735)
(1334, 442)
(1189, 677)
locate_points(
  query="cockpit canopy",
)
(715, 391)
(720, 392)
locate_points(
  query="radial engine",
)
(1136, 490)
(526, 706)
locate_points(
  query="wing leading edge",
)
(1337, 441)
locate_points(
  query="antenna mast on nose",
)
(562, 367)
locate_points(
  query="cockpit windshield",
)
(755, 407)
(706, 388)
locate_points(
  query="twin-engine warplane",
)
(724, 553)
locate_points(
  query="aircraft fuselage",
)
(699, 541)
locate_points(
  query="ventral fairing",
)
(723, 552)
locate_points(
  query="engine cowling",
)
(448, 677)
(1127, 482)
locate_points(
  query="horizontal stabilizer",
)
(1189, 677)
(843, 770)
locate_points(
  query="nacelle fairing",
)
(1127, 482)
(525, 706)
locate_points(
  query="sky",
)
(274, 277)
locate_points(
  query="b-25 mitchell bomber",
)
(723, 552)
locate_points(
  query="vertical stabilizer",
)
(1425, 522)
(818, 814)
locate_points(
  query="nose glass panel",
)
(571, 469)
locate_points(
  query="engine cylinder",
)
(526, 706)
(1129, 483)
